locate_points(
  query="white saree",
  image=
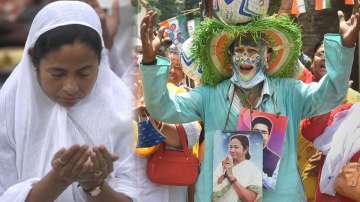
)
(33, 128)
(247, 175)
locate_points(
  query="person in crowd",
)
(148, 190)
(336, 135)
(252, 89)
(14, 32)
(65, 133)
(308, 155)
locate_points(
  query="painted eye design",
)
(245, 53)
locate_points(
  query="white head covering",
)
(339, 142)
(33, 127)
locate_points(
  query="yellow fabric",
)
(173, 90)
(306, 150)
(353, 96)
(9, 58)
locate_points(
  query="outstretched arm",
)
(182, 108)
(321, 97)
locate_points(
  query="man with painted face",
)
(248, 62)
(219, 105)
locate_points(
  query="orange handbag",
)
(173, 167)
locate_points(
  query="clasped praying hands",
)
(87, 165)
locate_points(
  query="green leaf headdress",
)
(213, 38)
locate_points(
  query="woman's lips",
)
(69, 100)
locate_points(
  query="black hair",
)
(317, 46)
(264, 121)
(244, 142)
(246, 40)
(55, 38)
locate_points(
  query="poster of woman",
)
(237, 166)
(273, 129)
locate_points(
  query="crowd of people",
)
(76, 114)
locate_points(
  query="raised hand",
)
(68, 163)
(285, 7)
(151, 41)
(109, 22)
(349, 29)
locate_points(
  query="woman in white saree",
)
(237, 178)
(65, 116)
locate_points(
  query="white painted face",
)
(247, 61)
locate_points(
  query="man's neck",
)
(249, 97)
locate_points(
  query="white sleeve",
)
(123, 178)
(217, 174)
(192, 131)
(18, 192)
(10, 188)
(270, 182)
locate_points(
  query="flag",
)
(322, 4)
(301, 6)
(176, 29)
(298, 7)
(192, 24)
(349, 2)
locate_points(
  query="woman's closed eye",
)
(85, 72)
(57, 73)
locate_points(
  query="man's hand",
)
(314, 163)
(348, 181)
(285, 7)
(150, 41)
(349, 29)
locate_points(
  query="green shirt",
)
(292, 98)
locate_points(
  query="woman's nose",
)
(70, 86)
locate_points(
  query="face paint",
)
(248, 63)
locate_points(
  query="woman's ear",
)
(31, 54)
(32, 57)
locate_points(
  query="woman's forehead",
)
(321, 48)
(235, 141)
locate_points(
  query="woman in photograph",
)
(232, 180)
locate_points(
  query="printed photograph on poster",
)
(235, 154)
(273, 129)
